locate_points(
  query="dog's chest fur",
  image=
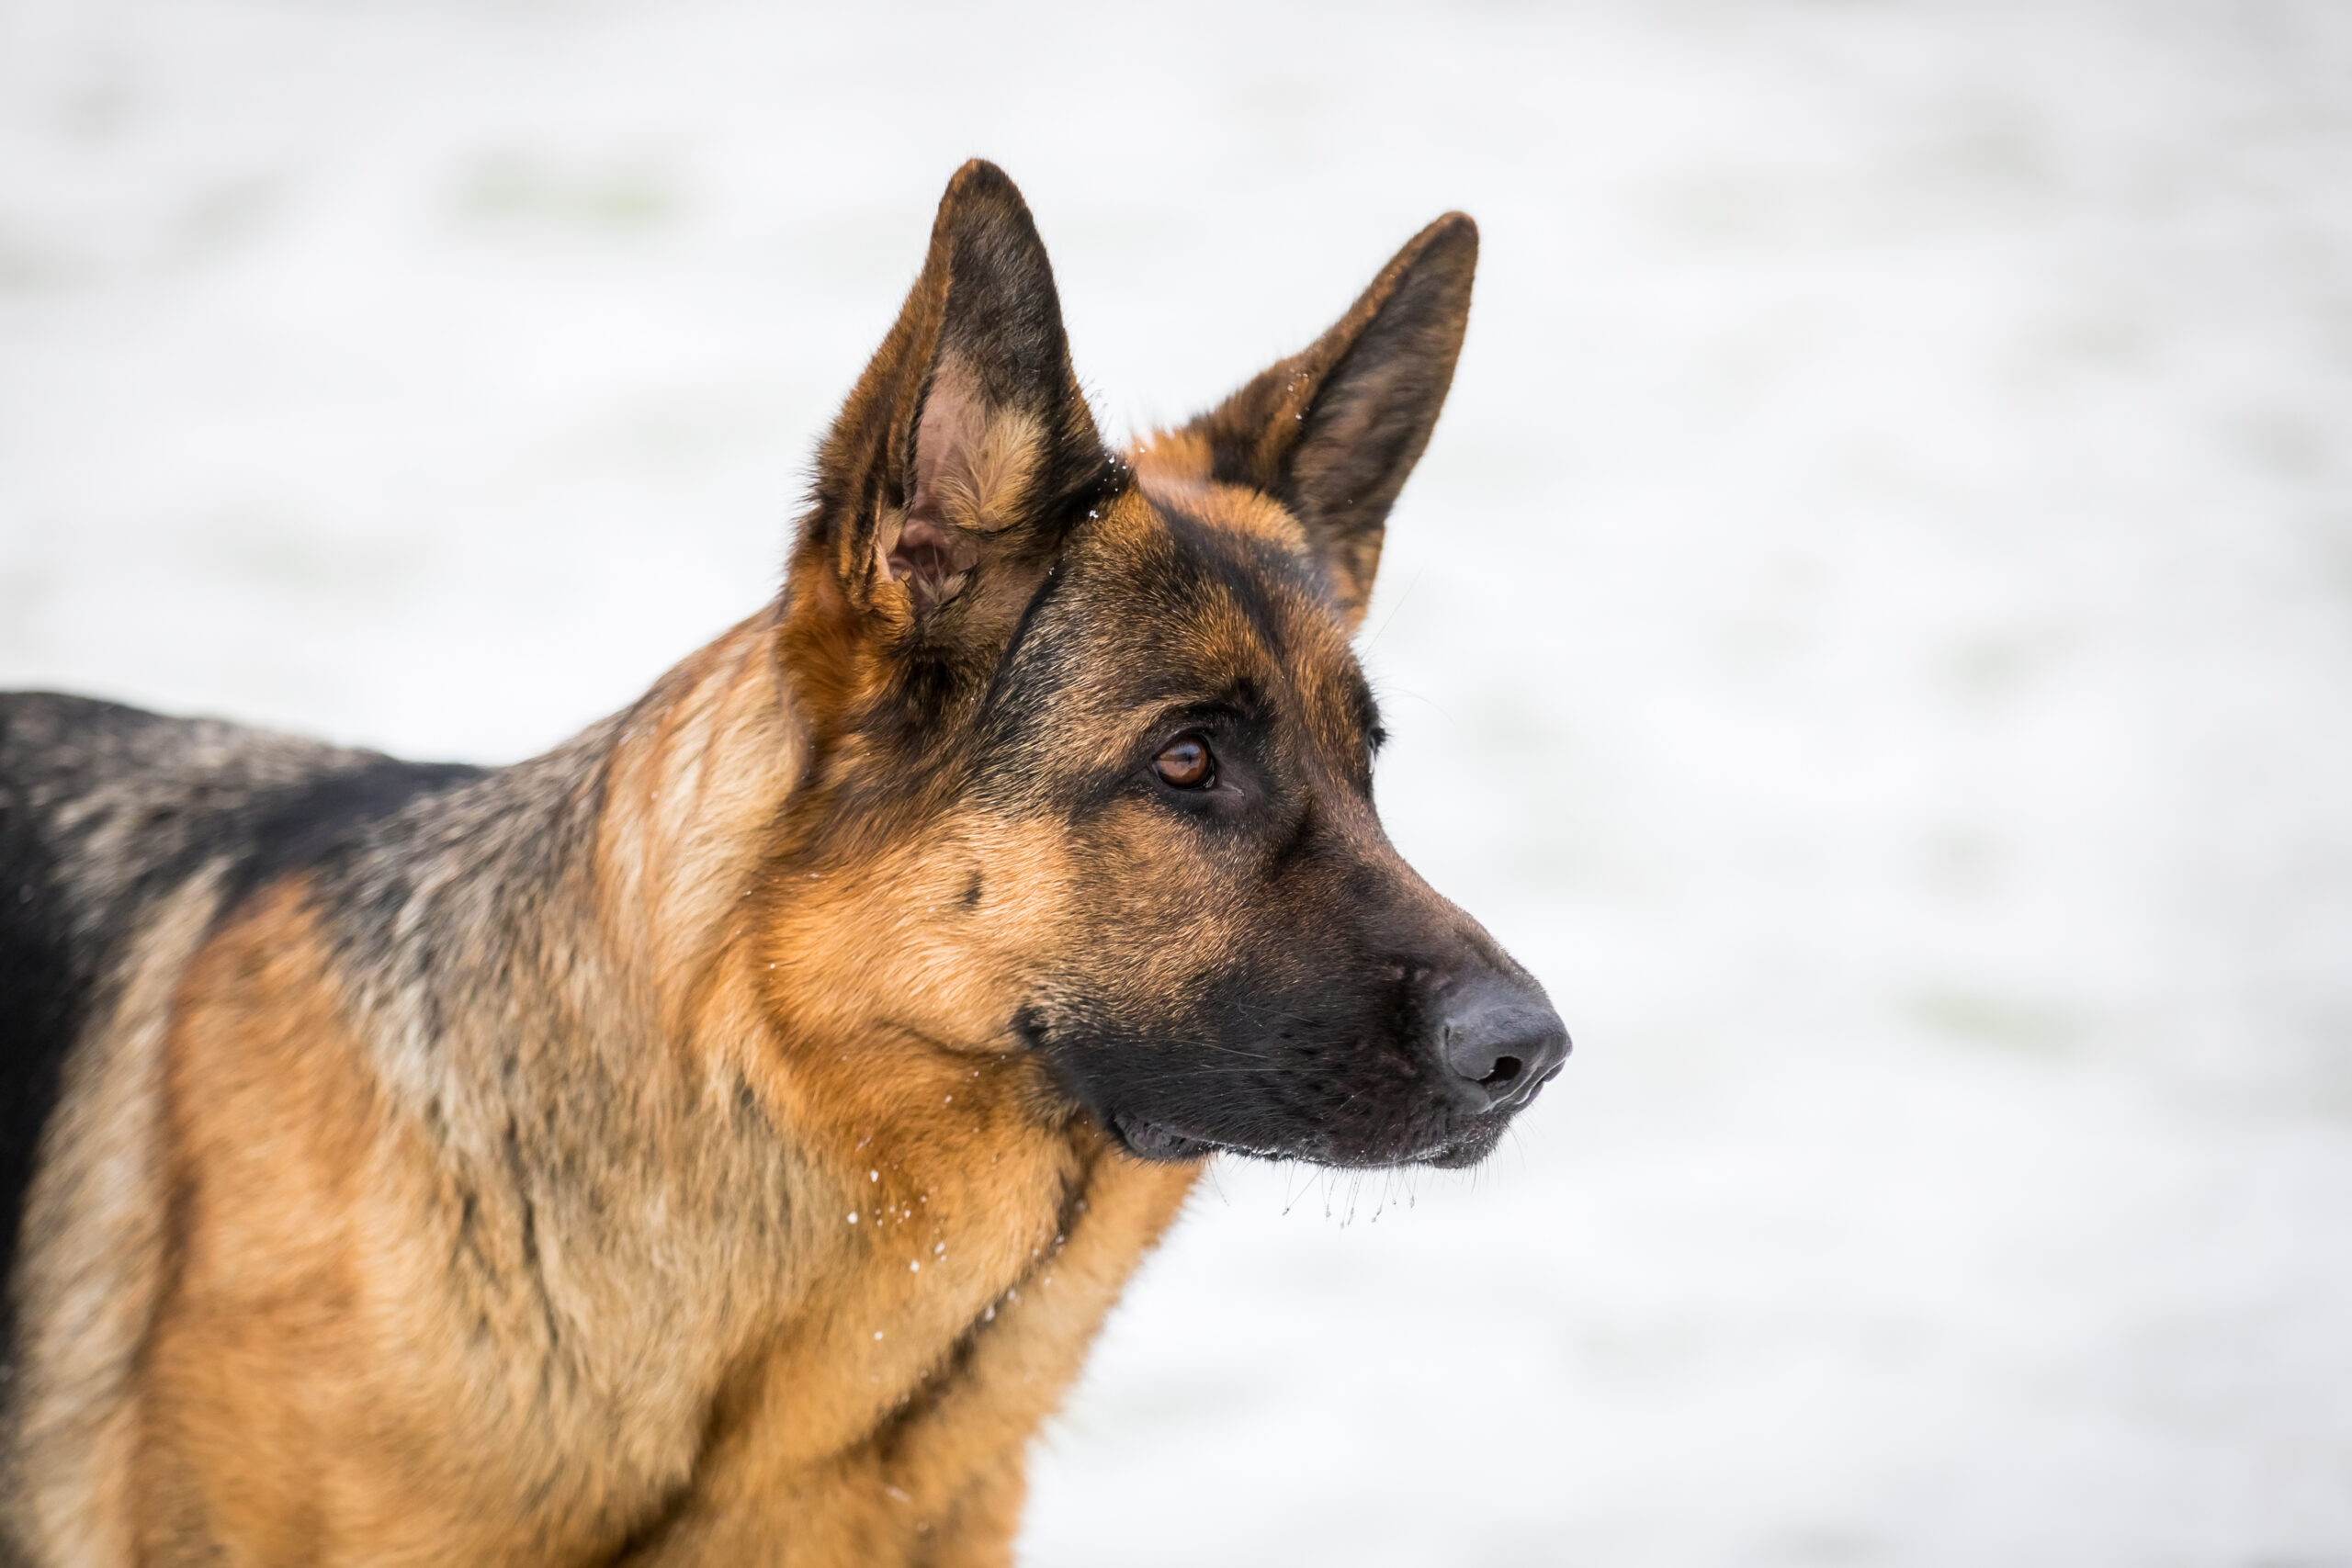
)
(637, 1356)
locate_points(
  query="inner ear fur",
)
(967, 446)
(1333, 431)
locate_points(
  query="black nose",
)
(1499, 1041)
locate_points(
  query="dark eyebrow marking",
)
(1241, 700)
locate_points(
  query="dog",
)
(717, 1141)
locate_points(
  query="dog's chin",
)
(1467, 1151)
(1157, 1142)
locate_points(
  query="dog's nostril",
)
(1499, 1041)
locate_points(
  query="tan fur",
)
(86, 1308)
(975, 465)
(1173, 468)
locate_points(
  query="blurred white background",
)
(1874, 632)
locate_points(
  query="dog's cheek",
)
(1157, 918)
(1011, 912)
(901, 937)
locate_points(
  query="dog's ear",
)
(1331, 433)
(966, 448)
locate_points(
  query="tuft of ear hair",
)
(949, 476)
(1333, 431)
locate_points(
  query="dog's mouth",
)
(1170, 1128)
(1157, 1142)
(1153, 1141)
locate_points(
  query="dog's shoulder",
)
(105, 808)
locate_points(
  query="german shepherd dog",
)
(716, 1141)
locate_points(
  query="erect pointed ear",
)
(1333, 431)
(966, 448)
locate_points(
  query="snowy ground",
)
(1874, 632)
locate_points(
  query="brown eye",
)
(1186, 763)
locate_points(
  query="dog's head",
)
(1091, 757)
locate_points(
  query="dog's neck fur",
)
(962, 1196)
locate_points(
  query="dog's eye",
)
(1186, 763)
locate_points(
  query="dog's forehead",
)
(1178, 596)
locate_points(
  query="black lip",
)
(1461, 1152)
(1150, 1141)
(1155, 1142)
